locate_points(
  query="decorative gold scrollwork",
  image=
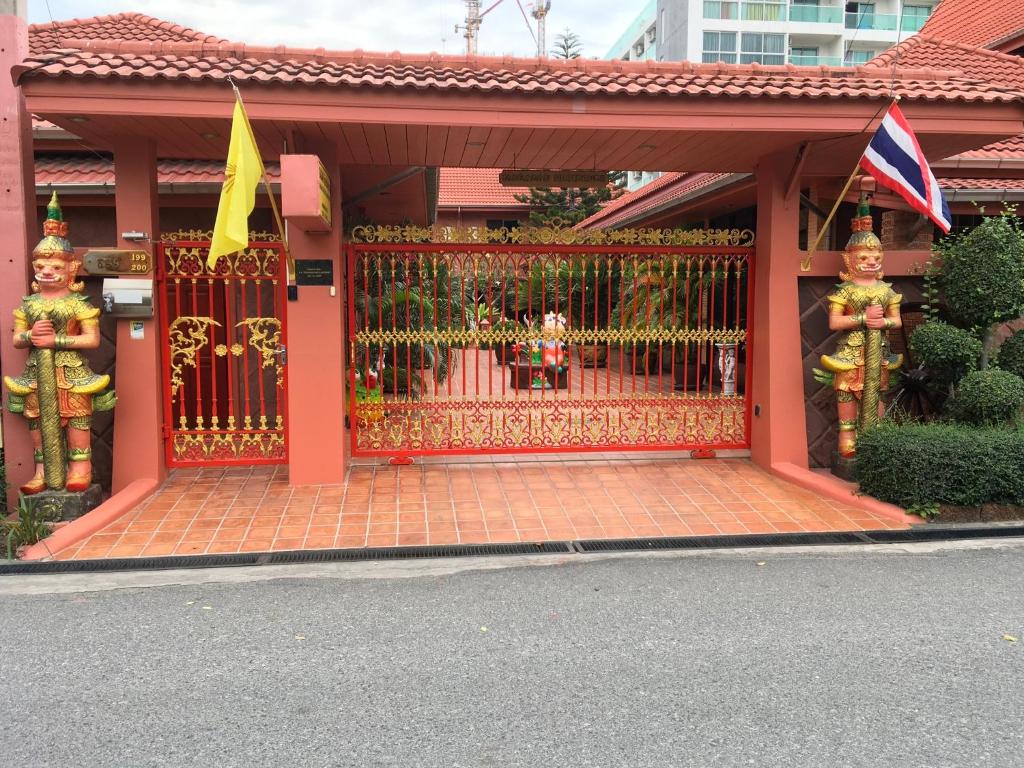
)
(196, 235)
(265, 338)
(370, 233)
(190, 262)
(187, 336)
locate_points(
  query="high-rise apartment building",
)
(805, 32)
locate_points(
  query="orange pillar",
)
(316, 349)
(138, 417)
(779, 428)
(17, 228)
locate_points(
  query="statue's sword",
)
(872, 379)
(54, 466)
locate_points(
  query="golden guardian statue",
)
(57, 392)
(863, 308)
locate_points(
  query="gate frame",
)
(161, 280)
(353, 248)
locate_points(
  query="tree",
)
(569, 205)
(567, 45)
(982, 276)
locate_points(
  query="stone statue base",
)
(842, 467)
(54, 506)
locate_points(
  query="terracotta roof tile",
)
(118, 26)
(1009, 148)
(476, 187)
(204, 62)
(985, 183)
(90, 169)
(983, 23)
(667, 188)
(922, 52)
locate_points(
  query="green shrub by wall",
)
(915, 465)
(946, 351)
(1011, 354)
(988, 397)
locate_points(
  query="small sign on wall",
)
(136, 330)
(314, 272)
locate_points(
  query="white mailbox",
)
(128, 297)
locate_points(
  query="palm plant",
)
(404, 295)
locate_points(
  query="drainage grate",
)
(717, 542)
(916, 534)
(282, 558)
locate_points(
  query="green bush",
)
(917, 465)
(946, 351)
(1011, 354)
(982, 274)
(987, 397)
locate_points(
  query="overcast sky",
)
(379, 25)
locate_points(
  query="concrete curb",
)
(77, 530)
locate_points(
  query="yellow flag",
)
(238, 195)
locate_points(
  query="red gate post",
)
(138, 420)
(316, 351)
(17, 220)
(779, 427)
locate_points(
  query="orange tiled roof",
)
(1007, 148)
(118, 26)
(205, 61)
(921, 51)
(667, 188)
(983, 23)
(476, 188)
(86, 169)
(951, 182)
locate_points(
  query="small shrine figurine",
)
(547, 352)
(863, 308)
(57, 392)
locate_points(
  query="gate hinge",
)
(400, 461)
(703, 453)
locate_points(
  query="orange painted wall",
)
(779, 431)
(315, 341)
(138, 417)
(17, 230)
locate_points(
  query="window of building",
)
(652, 34)
(762, 48)
(914, 17)
(506, 223)
(856, 57)
(764, 10)
(804, 56)
(638, 47)
(721, 9)
(719, 46)
(860, 15)
(661, 25)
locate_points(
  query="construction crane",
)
(473, 18)
(540, 12)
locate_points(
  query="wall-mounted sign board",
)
(116, 261)
(314, 272)
(512, 178)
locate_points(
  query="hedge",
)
(916, 465)
(989, 397)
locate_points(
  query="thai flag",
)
(895, 159)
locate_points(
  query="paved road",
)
(846, 657)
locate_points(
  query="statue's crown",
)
(862, 226)
(55, 232)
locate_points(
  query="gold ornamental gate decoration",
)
(223, 334)
(538, 340)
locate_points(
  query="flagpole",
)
(273, 201)
(805, 265)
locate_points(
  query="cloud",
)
(381, 25)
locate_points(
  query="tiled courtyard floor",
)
(254, 509)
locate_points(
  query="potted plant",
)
(593, 290)
(483, 324)
(505, 333)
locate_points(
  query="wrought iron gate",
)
(533, 340)
(224, 367)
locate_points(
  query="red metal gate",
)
(532, 340)
(225, 377)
